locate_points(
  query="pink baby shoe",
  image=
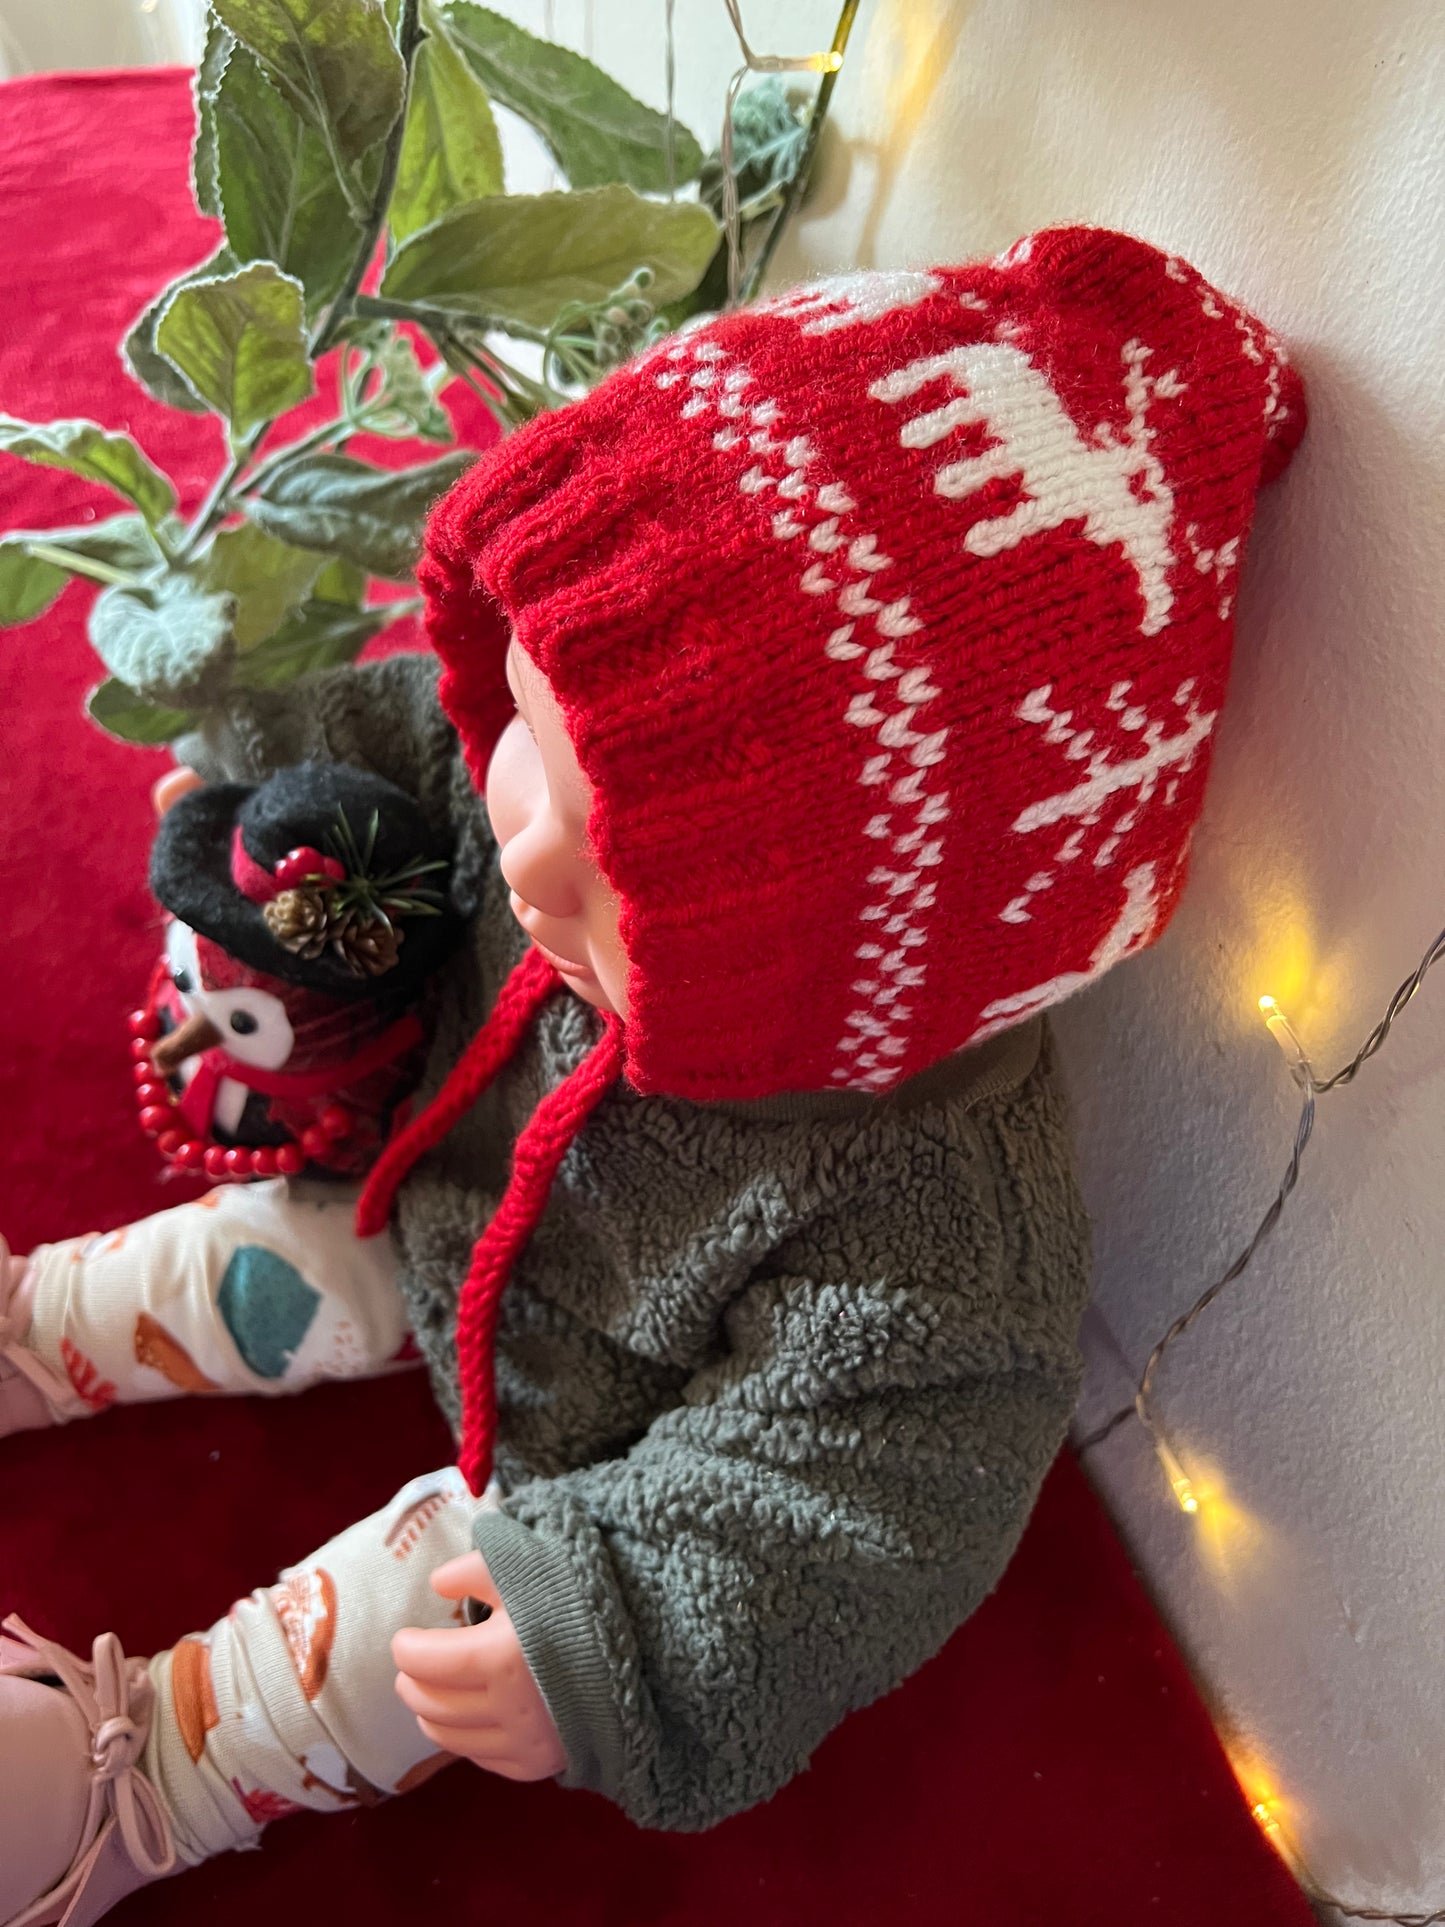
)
(80, 1826)
(31, 1395)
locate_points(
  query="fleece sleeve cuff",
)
(559, 1639)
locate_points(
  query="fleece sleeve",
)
(829, 1501)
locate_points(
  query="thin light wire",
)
(1322, 1896)
(1312, 1088)
(753, 63)
(670, 67)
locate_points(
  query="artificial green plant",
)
(350, 150)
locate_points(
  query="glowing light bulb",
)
(1179, 1480)
(1283, 1033)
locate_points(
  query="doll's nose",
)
(196, 1034)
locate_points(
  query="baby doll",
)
(840, 677)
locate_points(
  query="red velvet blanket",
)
(1053, 1765)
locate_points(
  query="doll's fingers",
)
(492, 1758)
(465, 1576)
(445, 1708)
(453, 1659)
(171, 787)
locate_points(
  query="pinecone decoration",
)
(299, 921)
(367, 945)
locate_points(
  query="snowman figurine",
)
(282, 1029)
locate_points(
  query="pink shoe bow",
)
(60, 1398)
(115, 1696)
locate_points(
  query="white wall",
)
(37, 36)
(1295, 150)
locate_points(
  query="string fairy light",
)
(1266, 1808)
(1311, 1088)
(827, 63)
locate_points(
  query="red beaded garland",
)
(160, 1114)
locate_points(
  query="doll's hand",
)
(472, 1690)
(171, 787)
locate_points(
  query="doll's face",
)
(539, 801)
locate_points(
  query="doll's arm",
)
(826, 1505)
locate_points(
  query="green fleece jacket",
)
(778, 1381)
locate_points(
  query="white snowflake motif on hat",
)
(1113, 486)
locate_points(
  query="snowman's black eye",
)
(182, 981)
(243, 1022)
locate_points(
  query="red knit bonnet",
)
(891, 622)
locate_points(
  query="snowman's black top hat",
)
(322, 875)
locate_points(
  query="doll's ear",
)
(171, 787)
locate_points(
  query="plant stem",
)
(340, 430)
(213, 509)
(798, 186)
(81, 565)
(409, 36)
(381, 309)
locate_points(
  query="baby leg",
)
(289, 1701)
(253, 1288)
(118, 1772)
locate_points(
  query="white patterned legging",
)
(287, 1702)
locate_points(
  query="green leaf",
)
(30, 582)
(342, 583)
(279, 194)
(595, 130)
(144, 359)
(523, 257)
(408, 393)
(267, 579)
(27, 585)
(85, 449)
(121, 712)
(335, 61)
(217, 52)
(450, 152)
(319, 635)
(371, 516)
(240, 341)
(171, 642)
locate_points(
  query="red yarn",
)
(891, 622)
(538, 1151)
(517, 1002)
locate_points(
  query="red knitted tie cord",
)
(517, 1003)
(535, 1157)
(538, 1152)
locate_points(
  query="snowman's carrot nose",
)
(196, 1034)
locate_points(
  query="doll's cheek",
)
(516, 783)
